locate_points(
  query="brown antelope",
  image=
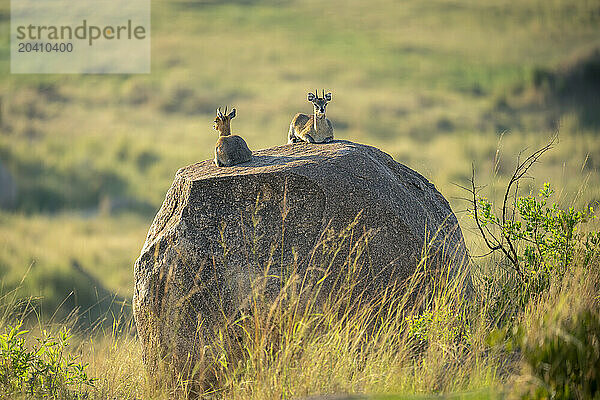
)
(230, 149)
(314, 128)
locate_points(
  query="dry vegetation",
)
(425, 336)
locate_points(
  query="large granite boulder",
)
(220, 229)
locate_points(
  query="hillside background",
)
(85, 161)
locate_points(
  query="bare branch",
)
(483, 255)
(520, 171)
(473, 191)
(504, 243)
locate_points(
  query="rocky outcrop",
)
(219, 229)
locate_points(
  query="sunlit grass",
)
(104, 247)
(421, 339)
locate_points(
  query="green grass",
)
(71, 261)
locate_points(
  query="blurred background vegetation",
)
(85, 160)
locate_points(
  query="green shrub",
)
(540, 240)
(563, 357)
(46, 370)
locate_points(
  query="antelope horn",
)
(225, 110)
(323, 93)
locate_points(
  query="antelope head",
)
(319, 103)
(223, 121)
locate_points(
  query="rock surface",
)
(219, 227)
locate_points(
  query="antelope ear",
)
(311, 97)
(328, 96)
(219, 113)
(231, 114)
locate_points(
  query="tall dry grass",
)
(441, 331)
(424, 336)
